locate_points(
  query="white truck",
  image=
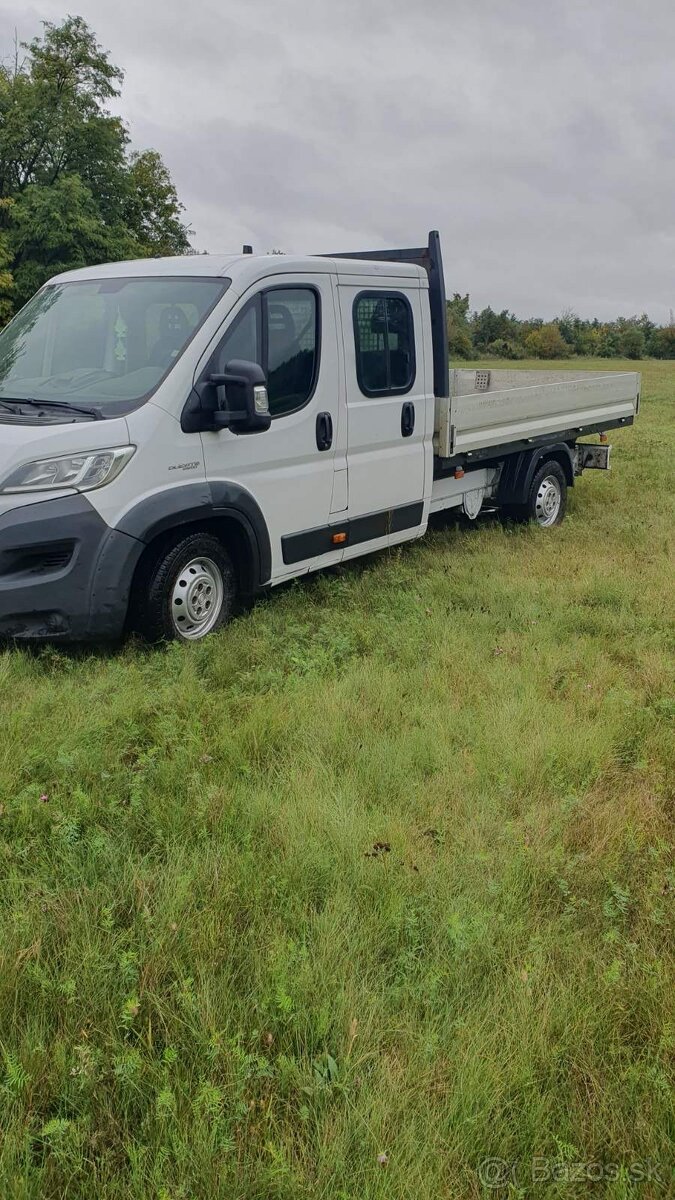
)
(181, 433)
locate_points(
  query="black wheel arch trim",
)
(193, 502)
(520, 469)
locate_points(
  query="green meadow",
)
(372, 886)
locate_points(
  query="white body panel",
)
(164, 458)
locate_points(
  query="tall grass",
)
(371, 886)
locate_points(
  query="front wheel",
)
(187, 590)
(547, 498)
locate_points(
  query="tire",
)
(546, 502)
(186, 591)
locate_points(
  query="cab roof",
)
(244, 269)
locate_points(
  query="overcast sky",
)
(539, 137)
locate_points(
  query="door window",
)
(242, 339)
(279, 329)
(384, 340)
(292, 347)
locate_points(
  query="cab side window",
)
(291, 328)
(242, 339)
(279, 329)
(384, 342)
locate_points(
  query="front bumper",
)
(64, 573)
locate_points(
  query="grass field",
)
(369, 887)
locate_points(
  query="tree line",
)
(476, 334)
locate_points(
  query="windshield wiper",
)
(63, 404)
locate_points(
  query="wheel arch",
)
(222, 508)
(520, 469)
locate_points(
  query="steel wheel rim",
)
(197, 598)
(548, 500)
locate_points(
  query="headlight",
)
(80, 472)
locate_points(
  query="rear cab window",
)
(384, 343)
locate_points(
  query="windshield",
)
(107, 343)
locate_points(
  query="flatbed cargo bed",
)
(490, 410)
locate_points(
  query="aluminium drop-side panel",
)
(521, 404)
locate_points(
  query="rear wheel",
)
(187, 589)
(547, 498)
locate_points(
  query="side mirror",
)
(246, 408)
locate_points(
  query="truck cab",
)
(180, 433)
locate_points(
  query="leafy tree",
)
(458, 307)
(609, 342)
(6, 277)
(632, 342)
(662, 342)
(643, 323)
(572, 329)
(59, 228)
(567, 323)
(459, 337)
(488, 326)
(588, 339)
(484, 328)
(152, 207)
(54, 119)
(78, 195)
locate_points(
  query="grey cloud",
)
(538, 138)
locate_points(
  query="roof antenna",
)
(247, 249)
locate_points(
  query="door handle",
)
(324, 431)
(407, 419)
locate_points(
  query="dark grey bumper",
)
(63, 572)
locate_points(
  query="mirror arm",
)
(224, 418)
(219, 380)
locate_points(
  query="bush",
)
(504, 348)
(547, 342)
(589, 342)
(459, 341)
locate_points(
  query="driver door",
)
(287, 325)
